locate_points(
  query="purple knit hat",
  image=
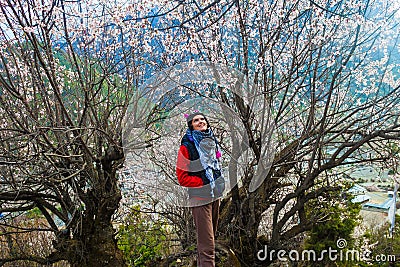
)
(189, 118)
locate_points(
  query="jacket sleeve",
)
(182, 170)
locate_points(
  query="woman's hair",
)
(189, 119)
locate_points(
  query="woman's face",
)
(199, 123)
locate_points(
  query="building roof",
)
(384, 206)
(360, 198)
(357, 189)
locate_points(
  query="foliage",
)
(341, 218)
(143, 238)
(382, 244)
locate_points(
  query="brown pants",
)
(206, 222)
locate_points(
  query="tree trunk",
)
(240, 220)
(92, 243)
(95, 245)
(90, 239)
(238, 235)
(101, 248)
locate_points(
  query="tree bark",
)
(91, 242)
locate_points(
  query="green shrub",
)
(143, 238)
(341, 218)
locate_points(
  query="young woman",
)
(199, 170)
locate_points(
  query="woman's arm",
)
(182, 170)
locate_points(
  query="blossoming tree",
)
(321, 72)
(325, 74)
(67, 71)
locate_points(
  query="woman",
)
(199, 170)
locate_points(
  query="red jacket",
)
(182, 167)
